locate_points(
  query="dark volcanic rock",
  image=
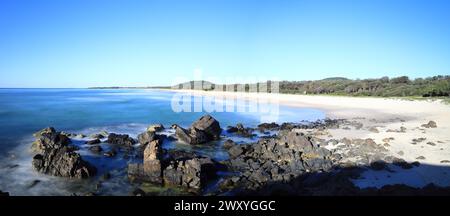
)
(188, 172)
(120, 139)
(62, 162)
(268, 126)
(402, 163)
(203, 130)
(151, 169)
(147, 137)
(378, 165)
(209, 125)
(228, 144)
(57, 158)
(277, 159)
(190, 136)
(93, 142)
(49, 138)
(241, 130)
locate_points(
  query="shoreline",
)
(382, 113)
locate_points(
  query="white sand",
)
(384, 114)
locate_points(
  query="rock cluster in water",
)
(287, 163)
(55, 156)
(177, 168)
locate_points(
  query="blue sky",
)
(85, 43)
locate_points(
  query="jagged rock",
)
(101, 135)
(228, 144)
(93, 142)
(278, 159)
(268, 126)
(177, 168)
(430, 124)
(62, 162)
(190, 173)
(120, 139)
(203, 130)
(191, 136)
(152, 162)
(151, 169)
(236, 150)
(240, 130)
(147, 137)
(56, 158)
(209, 125)
(155, 128)
(49, 138)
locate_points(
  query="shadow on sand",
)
(382, 180)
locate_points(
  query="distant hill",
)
(335, 79)
(436, 86)
(197, 84)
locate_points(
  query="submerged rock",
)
(241, 130)
(93, 142)
(110, 153)
(121, 139)
(96, 149)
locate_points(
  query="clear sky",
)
(83, 43)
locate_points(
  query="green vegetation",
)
(437, 86)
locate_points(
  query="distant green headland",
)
(403, 86)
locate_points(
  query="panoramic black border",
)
(332, 205)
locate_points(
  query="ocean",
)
(88, 111)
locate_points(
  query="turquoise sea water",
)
(87, 111)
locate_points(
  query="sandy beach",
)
(387, 116)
